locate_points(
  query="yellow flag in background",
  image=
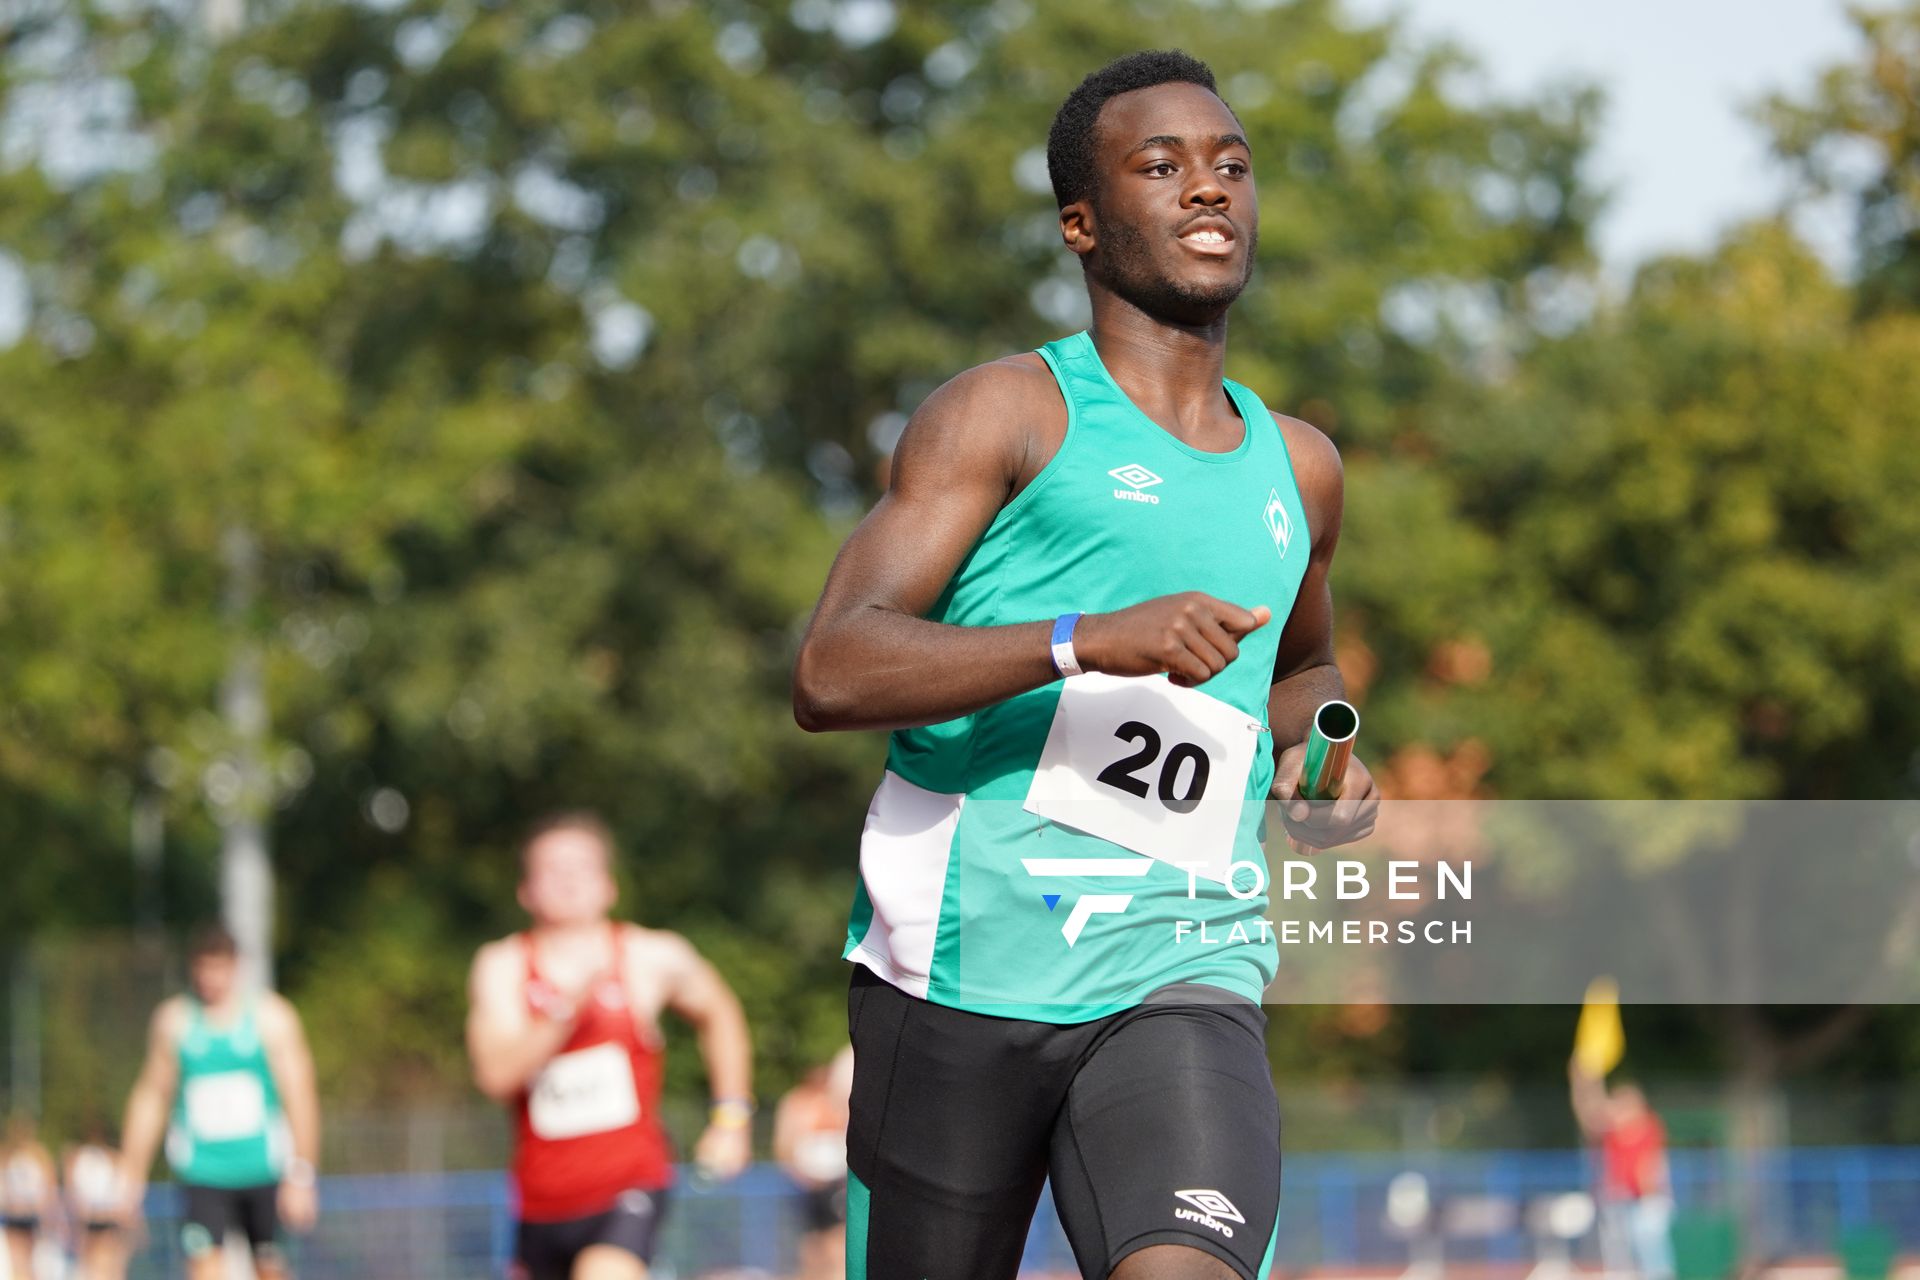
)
(1600, 1040)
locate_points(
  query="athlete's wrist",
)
(730, 1113)
(299, 1172)
(1063, 647)
(1087, 647)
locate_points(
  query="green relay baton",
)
(1329, 747)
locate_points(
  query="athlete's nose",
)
(1208, 192)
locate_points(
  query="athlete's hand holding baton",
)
(1326, 795)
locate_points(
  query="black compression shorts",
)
(213, 1211)
(1157, 1125)
(546, 1250)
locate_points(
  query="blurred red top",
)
(588, 1128)
(1630, 1154)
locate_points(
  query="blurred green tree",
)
(1856, 138)
(543, 351)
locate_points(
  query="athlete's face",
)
(213, 977)
(1173, 223)
(568, 879)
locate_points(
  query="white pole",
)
(246, 873)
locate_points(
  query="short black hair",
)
(1070, 140)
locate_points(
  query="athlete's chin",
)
(1189, 301)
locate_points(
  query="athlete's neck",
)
(1172, 371)
(224, 1010)
(571, 935)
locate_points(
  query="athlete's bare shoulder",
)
(498, 961)
(276, 1009)
(655, 948)
(1003, 418)
(170, 1018)
(1318, 471)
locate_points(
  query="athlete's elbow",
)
(494, 1084)
(820, 702)
(494, 1079)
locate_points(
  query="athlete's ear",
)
(1077, 227)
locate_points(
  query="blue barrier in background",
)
(456, 1226)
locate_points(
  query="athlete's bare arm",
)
(1304, 672)
(871, 659)
(506, 1043)
(1589, 1095)
(291, 1062)
(151, 1099)
(697, 993)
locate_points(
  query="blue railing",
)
(456, 1226)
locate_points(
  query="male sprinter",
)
(565, 1029)
(234, 1071)
(1060, 929)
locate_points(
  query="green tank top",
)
(228, 1129)
(1022, 861)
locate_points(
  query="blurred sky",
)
(1674, 148)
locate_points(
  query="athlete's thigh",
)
(947, 1137)
(1171, 1136)
(608, 1262)
(257, 1213)
(209, 1213)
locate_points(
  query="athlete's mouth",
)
(1213, 236)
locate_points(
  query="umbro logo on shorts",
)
(1136, 478)
(1209, 1210)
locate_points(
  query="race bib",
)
(226, 1106)
(1154, 767)
(586, 1091)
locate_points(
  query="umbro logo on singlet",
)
(1209, 1207)
(1136, 477)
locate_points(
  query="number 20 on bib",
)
(1151, 766)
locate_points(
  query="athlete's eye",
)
(1161, 168)
(1234, 168)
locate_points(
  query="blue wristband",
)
(1064, 660)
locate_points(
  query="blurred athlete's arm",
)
(152, 1097)
(1589, 1100)
(1304, 672)
(872, 660)
(788, 1130)
(697, 993)
(291, 1062)
(506, 1043)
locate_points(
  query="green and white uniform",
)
(228, 1130)
(1025, 860)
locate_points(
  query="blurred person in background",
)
(96, 1200)
(28, 1207)
(1636, 1196)
(810, 1142)
(229, 1079)
(564, 1028)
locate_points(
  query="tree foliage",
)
(544, 350)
